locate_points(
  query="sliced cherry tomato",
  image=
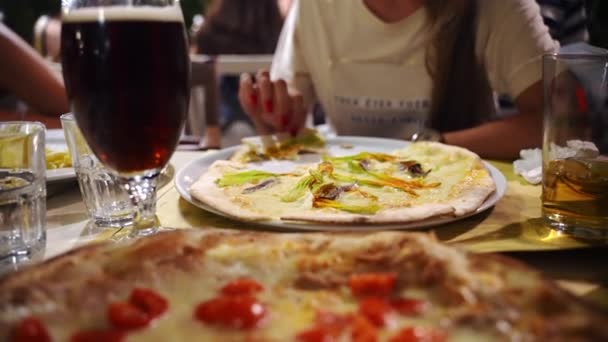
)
(374, 284)
(375, 309)
(241, 312)
(242, 287)
(418, 335)
(99, 336)
(316, 334)
(124, 315)
(362, 330)
(408, 306)
(149, 301)
(30, 329)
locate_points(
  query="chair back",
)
(204, 96)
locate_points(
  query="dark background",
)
(20, 15)
(597, 22)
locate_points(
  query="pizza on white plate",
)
(195, 285)
(415, 183)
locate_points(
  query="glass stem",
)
(142, 192)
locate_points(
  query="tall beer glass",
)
(575, 149)
(126, 70)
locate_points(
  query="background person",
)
(390, 67)
(566, 20)
(25, 74)
(239, 27)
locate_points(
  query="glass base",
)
(142, 192)
(574, 229)
(21, 258)
(116, 222)
(134, 232)
(143, 232)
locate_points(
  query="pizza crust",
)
(468, 199)
(386, 216)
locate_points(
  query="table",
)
(513, 226)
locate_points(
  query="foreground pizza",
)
(231, 286)
(418, 182)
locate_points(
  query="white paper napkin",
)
(530, 166)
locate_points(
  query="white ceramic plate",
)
(55, 140)
(338, 146)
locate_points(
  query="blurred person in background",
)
(393, 67)
(565, 19)
(238, 27)
(25, 74)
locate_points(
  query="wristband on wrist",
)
(427, 134)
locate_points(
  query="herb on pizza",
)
(360, 164)
(280, 147)
(240, 178)
(303, 185)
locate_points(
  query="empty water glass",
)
(106, 200)
(22, 191)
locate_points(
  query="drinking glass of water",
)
(104, 196)
(22, 191)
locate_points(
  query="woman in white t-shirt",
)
(392, 67)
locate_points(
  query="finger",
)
(265, 87)
(248, 96)
(298, 118)
(249, 99)
(282, 105)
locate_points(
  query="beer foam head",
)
(124, 13)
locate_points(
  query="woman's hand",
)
(270, 105)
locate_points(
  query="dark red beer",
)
(126, 72)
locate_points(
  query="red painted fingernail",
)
(581, 100)
(293, 131)
(254, 99)
(268, 106)
(284, 120)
